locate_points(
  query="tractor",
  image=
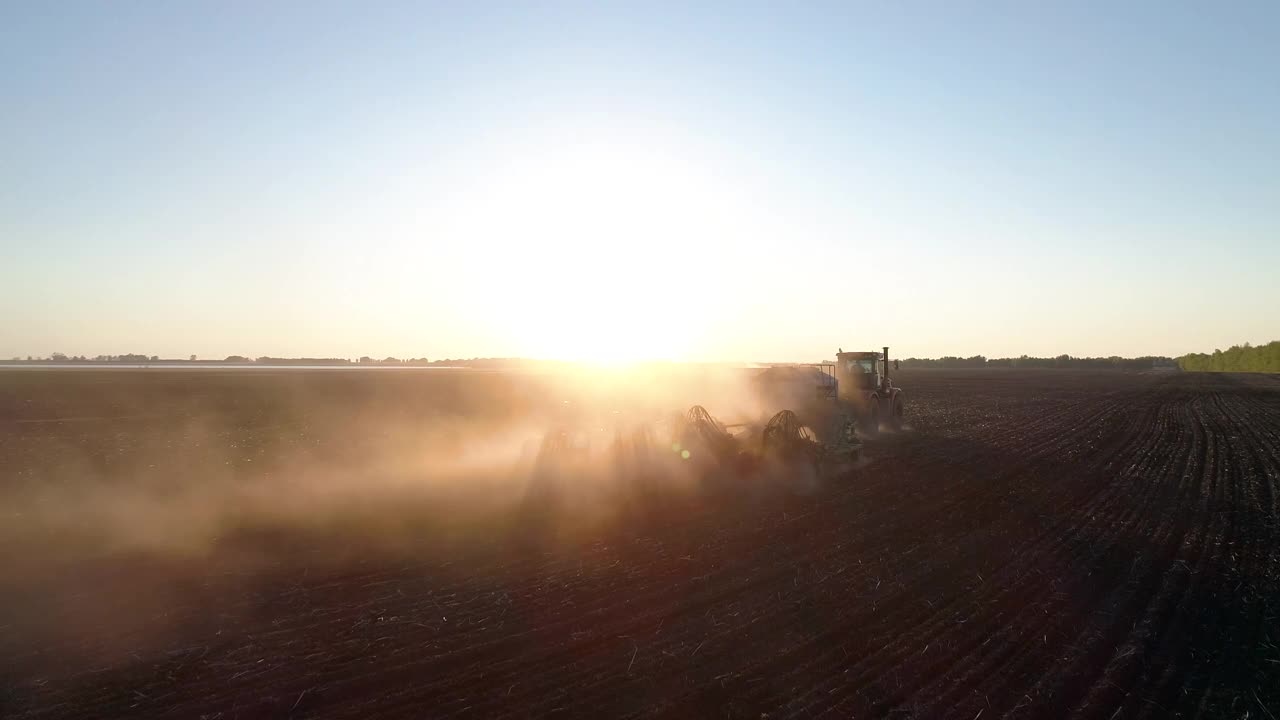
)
(864, 384)
(826, 409)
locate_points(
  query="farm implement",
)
(828, 409)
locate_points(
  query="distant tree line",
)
(1025, 361)
(267, 360)
(61, 358)
(365, 360)
(140, 359)
(948, 361)
(493, 363)
(1237, 358)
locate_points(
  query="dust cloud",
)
(180, 463)
(133, 500)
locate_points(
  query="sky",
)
(616, 181)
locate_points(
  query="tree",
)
(58, 357)
(193, 358)
(1237, 358)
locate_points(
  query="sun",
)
(601, 250)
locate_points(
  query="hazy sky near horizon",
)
(686, 181)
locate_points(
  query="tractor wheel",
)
(871, 420)
(895, 413)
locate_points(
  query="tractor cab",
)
(858, 372)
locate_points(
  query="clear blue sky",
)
(736, 181)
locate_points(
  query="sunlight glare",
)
(600, 247)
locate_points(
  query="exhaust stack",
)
(885, 360)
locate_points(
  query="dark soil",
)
(1036, 544)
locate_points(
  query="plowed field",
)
(1036, 544)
